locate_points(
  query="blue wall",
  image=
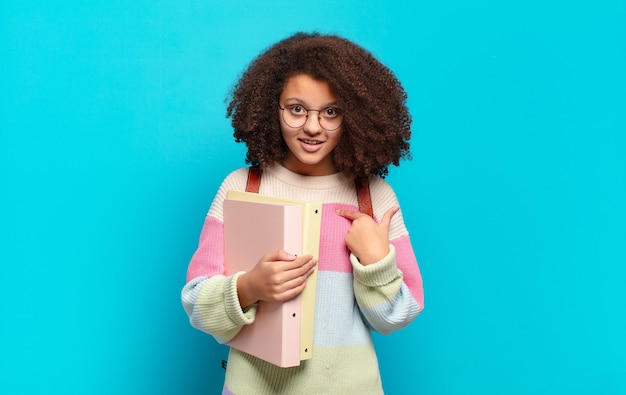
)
(114, 140)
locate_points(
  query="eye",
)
(296, 109)
(330, 112)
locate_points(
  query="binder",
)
(311, 228)
(251, 230)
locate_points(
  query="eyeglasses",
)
(295, 116)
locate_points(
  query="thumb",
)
(386, 220)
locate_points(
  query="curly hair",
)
(377, 123)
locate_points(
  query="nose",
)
(312, 125)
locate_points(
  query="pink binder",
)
(251, 230)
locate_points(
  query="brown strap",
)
(363, 195)
(254, 179)
(362, 189)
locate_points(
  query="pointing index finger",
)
(349, 214)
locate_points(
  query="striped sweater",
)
(351, 299)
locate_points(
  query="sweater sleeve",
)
(389, 293)
(212, 305)
(210, 297)
(382, 295)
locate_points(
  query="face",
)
(310, 145)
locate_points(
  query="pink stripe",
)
(334, 257)
(208, 259)
(407, 263)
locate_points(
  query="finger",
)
(282, 255)
(386, 220)
(290, 293)
(293, 287)
(309, 267)
(293, 267)
(349, 214)
(301, 265)
(279, 256)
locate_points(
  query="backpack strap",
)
(254, 179)
(362, 189)
(363, 195)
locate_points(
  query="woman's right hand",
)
(277, 277)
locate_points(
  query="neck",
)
(324, 168)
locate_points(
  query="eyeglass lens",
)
(295, 116)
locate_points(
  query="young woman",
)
(318, 114)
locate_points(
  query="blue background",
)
(114, 141)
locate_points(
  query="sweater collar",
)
(309, 182)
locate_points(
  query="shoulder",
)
(384, 198)
(234, 181)
(382, 194)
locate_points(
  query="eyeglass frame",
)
(306, 117)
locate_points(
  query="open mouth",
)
(311, 142)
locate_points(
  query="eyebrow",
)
(304, 103)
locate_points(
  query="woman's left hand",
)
(366, 239)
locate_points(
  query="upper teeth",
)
(311, 142)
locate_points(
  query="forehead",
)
(308, 90)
